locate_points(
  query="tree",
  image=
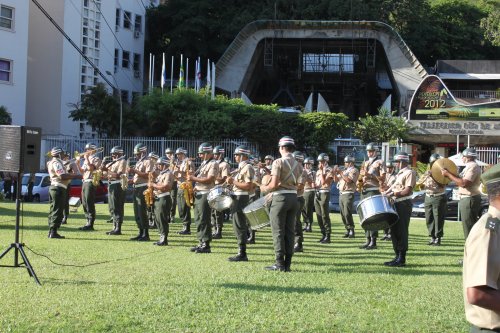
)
(5, 116)
(382, 127)
(491, 25)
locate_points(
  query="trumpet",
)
(78, 155)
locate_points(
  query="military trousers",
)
(184, 209)
(321, 205)
(162, 208)
(66, 203)
(202, 217)
(347, 209)
(399, 230)
(88, 200)
(116, 202)
(364, 195)
(140, 208)
(469, 208)
(435, 212)
(57, 197)
(173, 193)
(240, 222)
(299, 231)
(283, 214)
(308, 209)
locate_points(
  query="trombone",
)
(78, 155)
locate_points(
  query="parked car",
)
(334, 203)
(452, 206)
(101, 193)
(41, 184)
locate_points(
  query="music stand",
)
(16, 246)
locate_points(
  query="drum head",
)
(443, 163)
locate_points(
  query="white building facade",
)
(109, 33)
(14, 17)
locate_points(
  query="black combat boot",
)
(437, 242)
(89, 226)
(64, 220)
(326, 240)
(205, 248)
(138, 236)
(346, 234)
(145, 235)
(194, 248)
(400, 261)
(111, 231)
(278, 266)
(117, 230)
(218, 232)
(288, 263)
(298, 247)
(322, 238)
(391, 263)
(241, 256)
(309, 228)
(186, 230)
(162, 242)
(53, 234)
(432, 241)
(351, 233)
(373, 244)
(251, 238)
(365, 245)
(306, 225)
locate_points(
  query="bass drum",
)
(376, 213)
(257, 214)
(219, 198)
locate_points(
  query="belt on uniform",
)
(140, 185)
(347, 192)
(87, 180)
(432, 195)
(403, 198)
(310, 190)
(58, 185)
(285, 192)
(240, 193)
(370, 189)
(201, 192)
(323, 191)
(467, 195)
(114, 182)
(164, 194)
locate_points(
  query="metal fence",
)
(154, 144)
(488, 154)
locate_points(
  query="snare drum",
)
(257, 214)
(219, 198)
(376, 213)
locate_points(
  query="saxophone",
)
(148, 194)
(360, 182)
(96, 177)
(187, 187)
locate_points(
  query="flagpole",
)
(213, 80)
(172, 75)
(163, 70)
(187, 72)
(149, 76)
(209, 78)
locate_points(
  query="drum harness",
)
(290, 174)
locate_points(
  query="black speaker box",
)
(20, 148)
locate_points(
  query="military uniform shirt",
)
(309, 180)
(352, 173)
(472, 172)
(143, 165)
(375, 168)
(328, 175)
(281, 168)
(164, 178)
(482, 267)
(119, 167)
(94, 160)
(390, 178)
(210, 168)
(431, 186)
(56, 169)
(405, 177)
(182, 170)
(223, 171)
(300, 193)
(246, 174)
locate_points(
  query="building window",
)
(85, 41)
(328, 63)
(138, 23)
(137, 62)
(86, 3)
(96, 44)
(6, 17)
(125, 59)
(124, 96)
(127, 20)
(117, 57)
(5, 71)
(117, 20)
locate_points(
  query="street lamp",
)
(120, 99)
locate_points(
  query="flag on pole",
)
(152, 75)
(150, 68)
(181, 75)
(198, 75)
(209, 76)
(172, 75)
(163, 73)
(187, 72)
(213, 80)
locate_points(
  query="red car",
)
(101, 193)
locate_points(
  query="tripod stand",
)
(16, 246)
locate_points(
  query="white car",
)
(41, 186)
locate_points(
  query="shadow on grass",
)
(261, 288)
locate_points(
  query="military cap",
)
(492, 175)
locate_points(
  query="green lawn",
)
(107, 283)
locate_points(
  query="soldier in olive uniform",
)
(141, 172)
(401, 191)
(254, 193)
(299, 232)
(205, 181)
(242, 183)
(59, 180)
(286, 174)
(347, 180)
(183, 168)
(218, 217)
(481, 271)
(72, 168)
(309, 194)
(90, 165)
(172, 163)
(372, 174)
(390, 178)
(435, 205)
(114, 171)
(468, 188)
(163, 199)
(323, 182)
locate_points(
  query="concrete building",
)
(13, 55)
(48, 74)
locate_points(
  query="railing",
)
(488, 154)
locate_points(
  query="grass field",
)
(101, 283)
